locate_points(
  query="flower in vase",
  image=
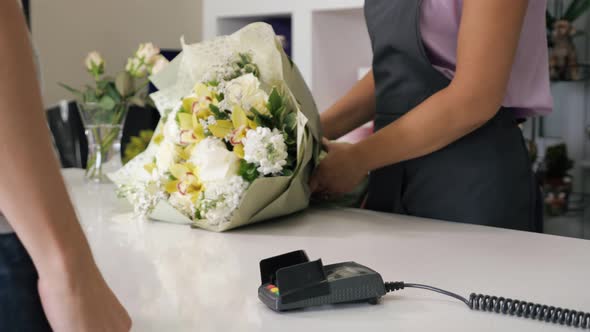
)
(94, 63)
(160, 63)
(137, 68)
(148, 53)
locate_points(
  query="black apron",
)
(483, 178)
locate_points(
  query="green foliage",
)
(248, 171)
(124, 84)
(243, 65)
(219, 115)
(576, 9)
(262, 120)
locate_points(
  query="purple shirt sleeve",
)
(529, 87)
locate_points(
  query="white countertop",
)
(173, 278)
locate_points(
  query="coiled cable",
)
(508, 306)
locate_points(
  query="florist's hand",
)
(340, 172)
(82, 302)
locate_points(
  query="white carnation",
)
(220, 199)
(214, 161)
(266, 149)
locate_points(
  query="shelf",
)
(340, 48)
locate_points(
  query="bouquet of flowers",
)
(238, 139)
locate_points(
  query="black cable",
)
(507, 306)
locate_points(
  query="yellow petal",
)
(195, 196)
(184, 153)
(239, 151)
(204, 113)
(252, 124)
(199, 132)
(149, 167)
(202, 90)
(185, 120)
(171, 187)
(178, 171)
(238, 117)
(158, 139)
(187, 103)
(221, 129)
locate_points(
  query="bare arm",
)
(488, 40)
(32, 193)
(356, 108)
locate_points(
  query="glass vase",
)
(104, 128)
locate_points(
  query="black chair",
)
(68, 131)
(68, 134)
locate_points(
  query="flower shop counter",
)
(173, 278)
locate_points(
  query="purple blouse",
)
(528, 89)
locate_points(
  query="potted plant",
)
(557, 182)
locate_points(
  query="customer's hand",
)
(340, 172)
(81, 301)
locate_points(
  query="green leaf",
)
(290, 123)
(248, 171)
(261, 119)
(111, 91)
(219, 115)
(275, 101)
(245, 59)
(102, 84)
(90, 96)
(137, 101)
(576, 9)
(550, 19)
(124, 83)
(79, 94)
(107, 103)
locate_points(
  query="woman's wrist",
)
(64, 256)
(364, 156)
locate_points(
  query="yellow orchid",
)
(186, 181)
(199, 103)
(234, 129)
(191, 131)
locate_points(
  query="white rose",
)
(136, 68)
(94, 62)
(245, 91)
(148, 52)
(214, 161)
(160, 64)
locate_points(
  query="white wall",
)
(64, 31)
